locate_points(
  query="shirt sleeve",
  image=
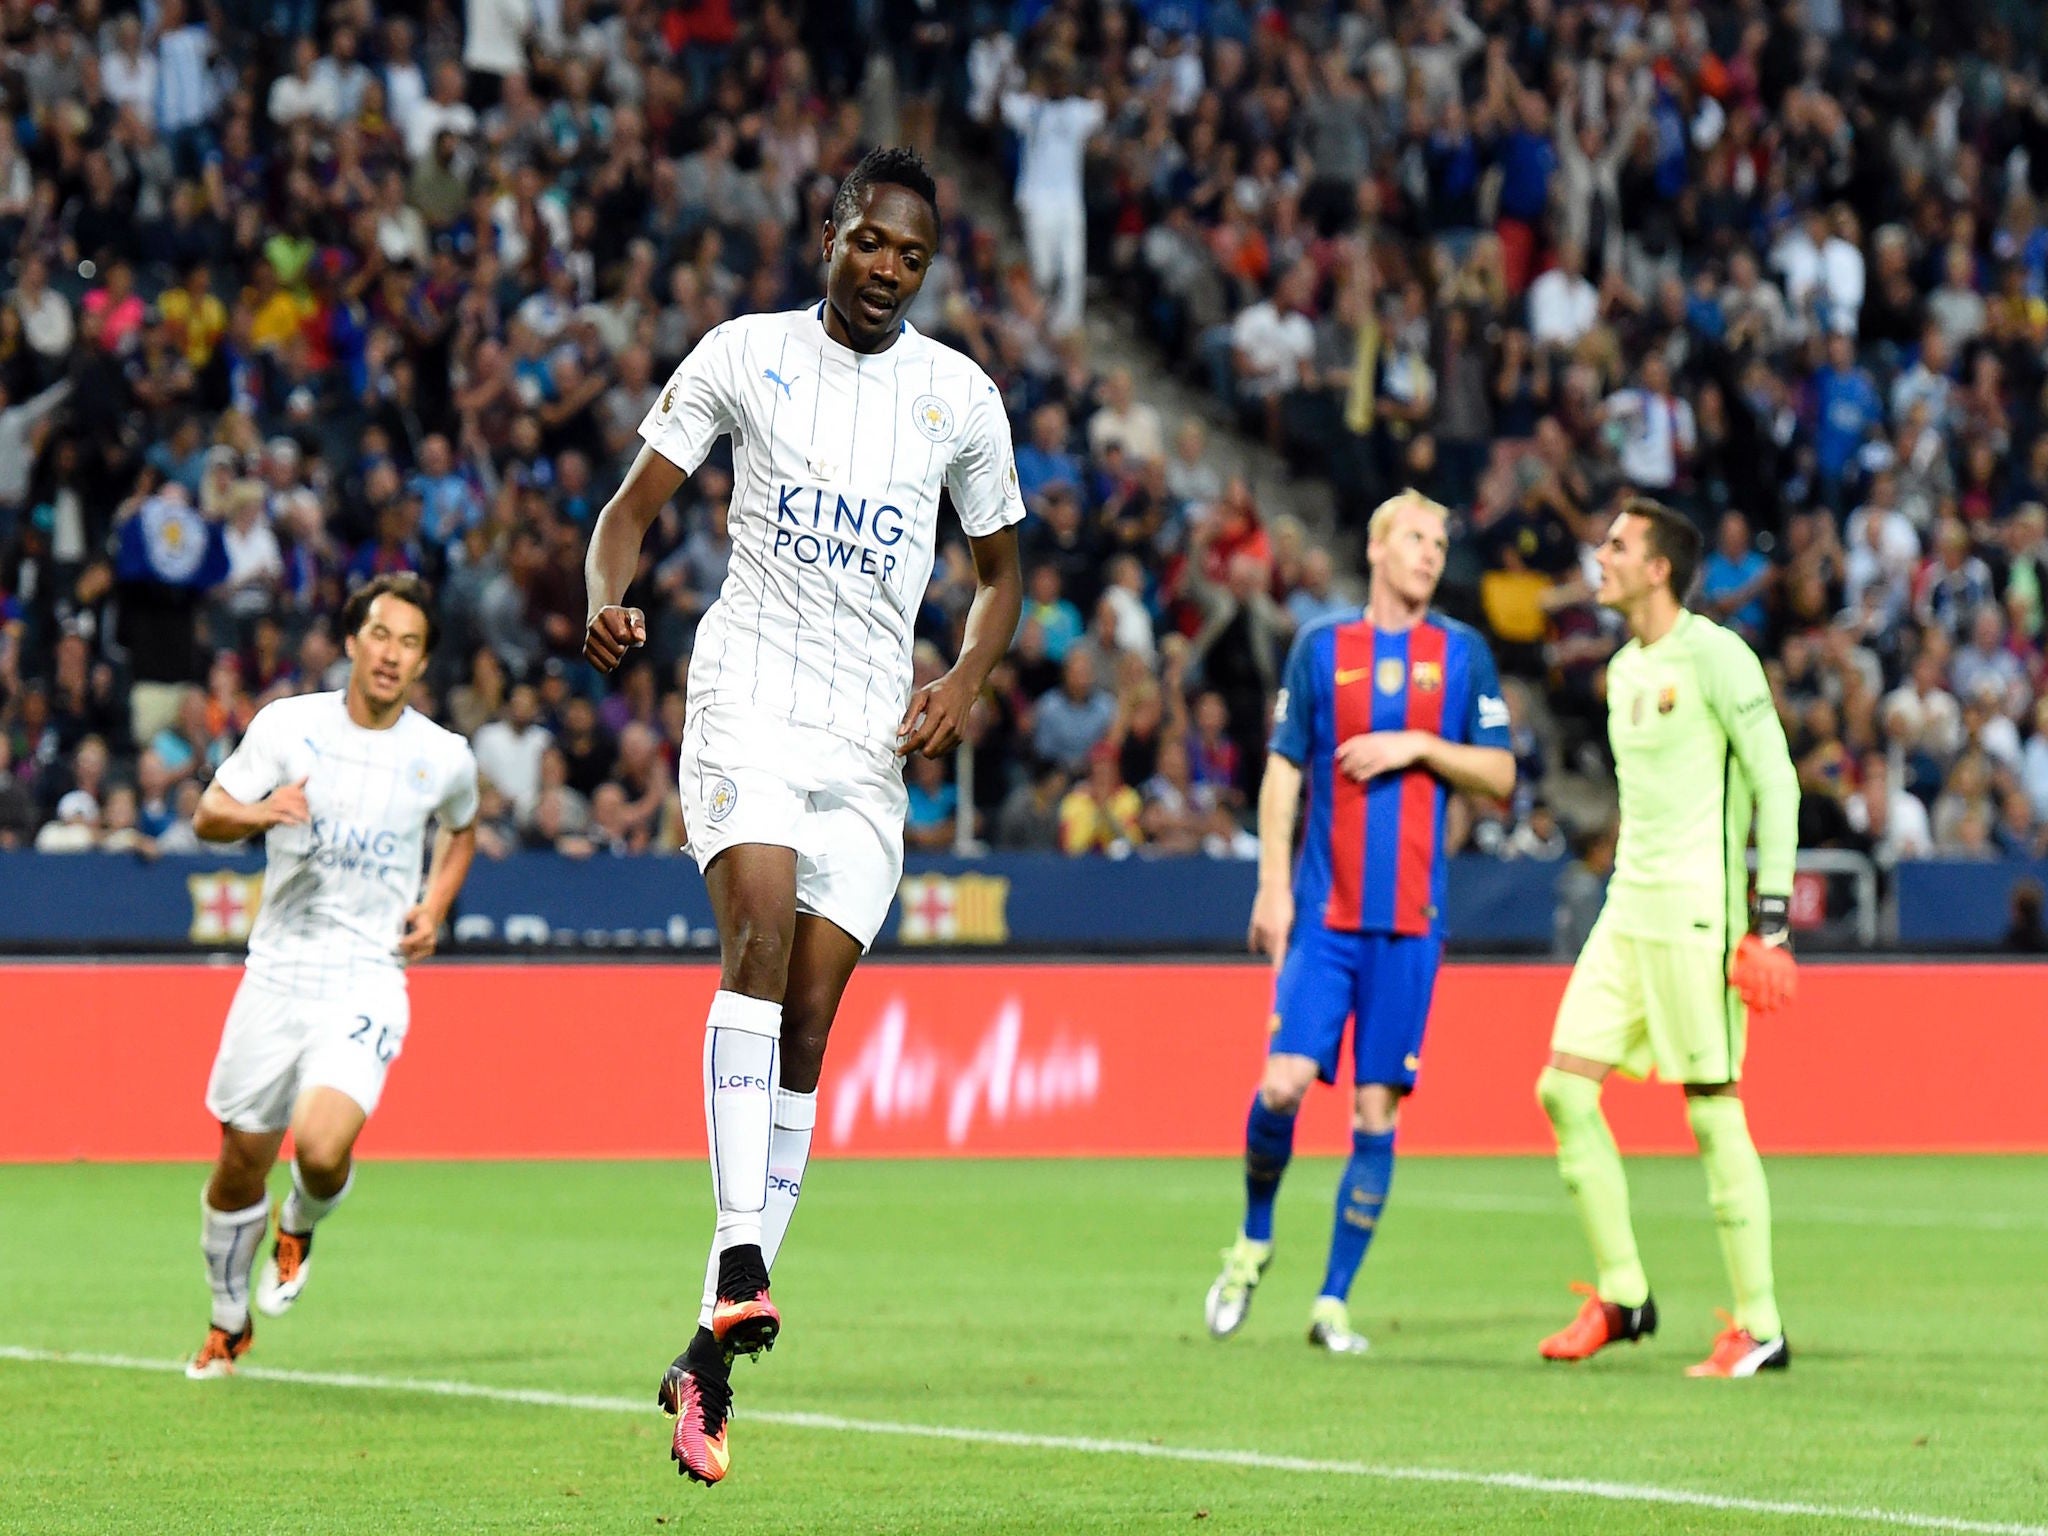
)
(458, 805)
(1018, 107)
(698, 406)
(983, 474)
(1486, 722)
(256, 766)
(1740, 697)
(1294, 706)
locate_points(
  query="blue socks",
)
(1268, 1144)
(1360, 1195)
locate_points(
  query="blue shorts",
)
(1384, 980)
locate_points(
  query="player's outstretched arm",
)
(454, 852)
(937, 714)
(221, 818)
(610, 631)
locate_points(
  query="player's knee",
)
(803, 1048)
(1565, 1096)
(323, 1163)
(1284, 1087)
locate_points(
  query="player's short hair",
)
(897, 167)
(1673, 537)
(1384, 514)
(404, 586)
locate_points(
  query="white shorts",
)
(276, 1046)
(747, 778)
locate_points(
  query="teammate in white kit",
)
(846, 425)
(343, 786)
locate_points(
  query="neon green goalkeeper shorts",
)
(1640, 1003)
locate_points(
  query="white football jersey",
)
(336, 890)
(838, 461)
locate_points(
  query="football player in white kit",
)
(846, 425)
(342, 785)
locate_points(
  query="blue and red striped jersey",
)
(1372, 854)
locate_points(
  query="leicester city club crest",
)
(933, 416)
(724, 796)
(419, 776)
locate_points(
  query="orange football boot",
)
(1738, 1352)
(1599, 1324)
(217, 1356)
(701, 1400)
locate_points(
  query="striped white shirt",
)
(336, 890)
(838, 461)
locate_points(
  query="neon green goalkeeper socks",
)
(1742, 1208)
(1591, 1165)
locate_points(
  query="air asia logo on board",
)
(899, 1078)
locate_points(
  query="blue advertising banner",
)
(1943, 902)
(1040, 900)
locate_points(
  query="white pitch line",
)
(1523, 1482)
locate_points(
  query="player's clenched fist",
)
(422, 933)
(1272, 921)
(612, 632)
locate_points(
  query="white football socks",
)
(741, 1037)
(301, 1210)
(229, 1240)
(789, 1152)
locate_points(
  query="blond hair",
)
(1384, 514)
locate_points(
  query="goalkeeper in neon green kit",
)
(1679, 956)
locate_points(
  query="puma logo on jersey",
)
(777, 379)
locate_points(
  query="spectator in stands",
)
(1053, 124)
(1101, 814)
(1735, 579)
(1029, 821)
(1058, 621)
(19, 816)
(930, 823)
(1563, 306)
(76, 827)
(1074, 719)
(510, 748)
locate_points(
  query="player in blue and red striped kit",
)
(1383, 713)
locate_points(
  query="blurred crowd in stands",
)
(296, 294)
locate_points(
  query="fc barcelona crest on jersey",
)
(1667, 698)
(933, 416)
(1390, 675)
(1426, 676)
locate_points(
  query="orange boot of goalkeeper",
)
(1739, 1353)
(1599, 1324)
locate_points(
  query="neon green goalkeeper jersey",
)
(1699, 754)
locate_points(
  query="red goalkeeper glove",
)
(1762, 968)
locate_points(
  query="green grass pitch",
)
(1056, 1299)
